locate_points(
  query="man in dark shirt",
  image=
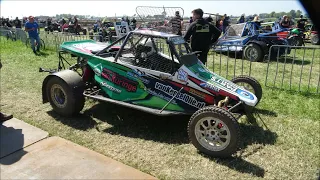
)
(17, 22)
(203, 35)
(301, 23)
(176, 24)
(7, 23)
(225, 23)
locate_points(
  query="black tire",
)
(258, 51)
(315, 39)
(42, 45)
(256, 86)
(84, 31)
(73, 103)
(224, 117)
(28, 43)
(295, 41)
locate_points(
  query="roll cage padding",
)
(71, 78)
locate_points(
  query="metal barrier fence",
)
(295, 69)
(298, 70)
(283, 67)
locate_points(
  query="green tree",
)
(272, 14)
(298, 13)
(292, 13)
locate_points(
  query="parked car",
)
(245, 38)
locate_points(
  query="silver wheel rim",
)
(252, 53)
(58, 96)
(247, 87)
(212, 133)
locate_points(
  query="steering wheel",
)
(141, 54)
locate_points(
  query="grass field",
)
(287, 149)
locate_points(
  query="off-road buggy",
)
(157, 73)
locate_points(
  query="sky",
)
(109, 8)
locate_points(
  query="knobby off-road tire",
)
(68, 102)
(295, 41)
(255, 85)
(315, 40)
(211, 125)
(258, 53)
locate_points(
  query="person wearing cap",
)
(33, 30)
(301, 23)
(203, 34)
(176, 24)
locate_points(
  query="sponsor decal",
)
(197, 93)
(110, 87)
(161, 96)
(201, 70)
(245, 94)
(139, 75)
(209, 86)
(129, 85)
(182, 75)
(88, 47)
(97, 69)
(179, 96)
(224, 83)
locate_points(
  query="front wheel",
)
(63, 99)
(295, 41)
(214, 131)
(315, 40)
(253, 52)
(250, 84)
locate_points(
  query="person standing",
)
(176, 24)
(301, 23)
(241, 19)
(190, 20)
(285, 23)
(225, 23)
(33, 30)
(4, 117)
(17, 23)
(202, 33)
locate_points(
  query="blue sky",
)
(110, 8)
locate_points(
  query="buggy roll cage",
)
(127, 38)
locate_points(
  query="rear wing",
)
(83, 48)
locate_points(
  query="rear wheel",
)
(214, 131)
(62, 98)
(249, 84)
(253, 52)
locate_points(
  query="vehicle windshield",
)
(235, 30)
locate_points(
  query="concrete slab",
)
(16, 134)
(56, 158)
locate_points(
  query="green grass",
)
(288, 149)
